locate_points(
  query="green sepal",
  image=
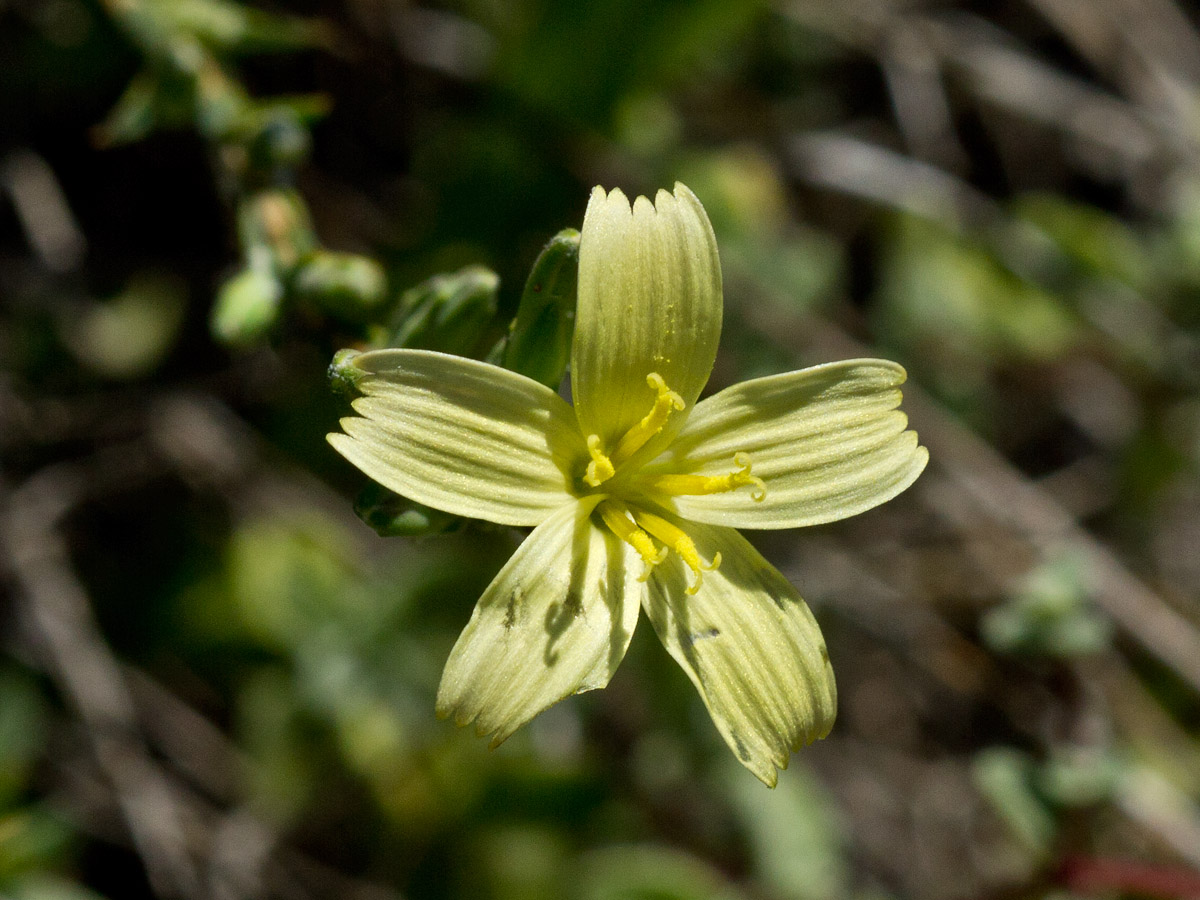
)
(449, 313)
(391, 515)
(343, 374)
(539, 339)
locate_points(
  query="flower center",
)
(637, 526)
(603, 467)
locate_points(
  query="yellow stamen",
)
(636, 437)
(676, 485)
(616, 516)
(600, 469)
(678, 541)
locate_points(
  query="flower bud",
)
(247, 306)
(345, 285)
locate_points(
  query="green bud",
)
(450, 313)
(247, 306)
(345, 285)
(277, 220)
(391, 515)
(539, 340)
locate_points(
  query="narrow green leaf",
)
(135, 114)
(539, 340)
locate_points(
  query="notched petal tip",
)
(611, 202)
(497, 734)
(682, 191)
(553, 623)
(920, 460)
(655, 270)
(683, 197)
(753, 650)
(866, 371)
(457, 704)
(664, 203)
(343, 441)
(780, 757)
(488, 726)
(643, 209)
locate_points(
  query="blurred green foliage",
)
(1048, 615)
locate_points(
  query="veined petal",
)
(556, 621)
(828, 442)
(649, 301)
(752, 648)
(461, 436)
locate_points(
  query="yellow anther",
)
(675, 538)
(600, 469)
(616, 517)
(677, 485)
(743, 477)
(636, 437)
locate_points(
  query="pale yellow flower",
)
(635, 492)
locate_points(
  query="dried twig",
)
(56, 608)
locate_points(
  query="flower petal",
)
(751, 647)
(556, 621)
(828, 443)
(649, 301)
(461, 436)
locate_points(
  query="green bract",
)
(634, 492)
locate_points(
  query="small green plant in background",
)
(1048, 614)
